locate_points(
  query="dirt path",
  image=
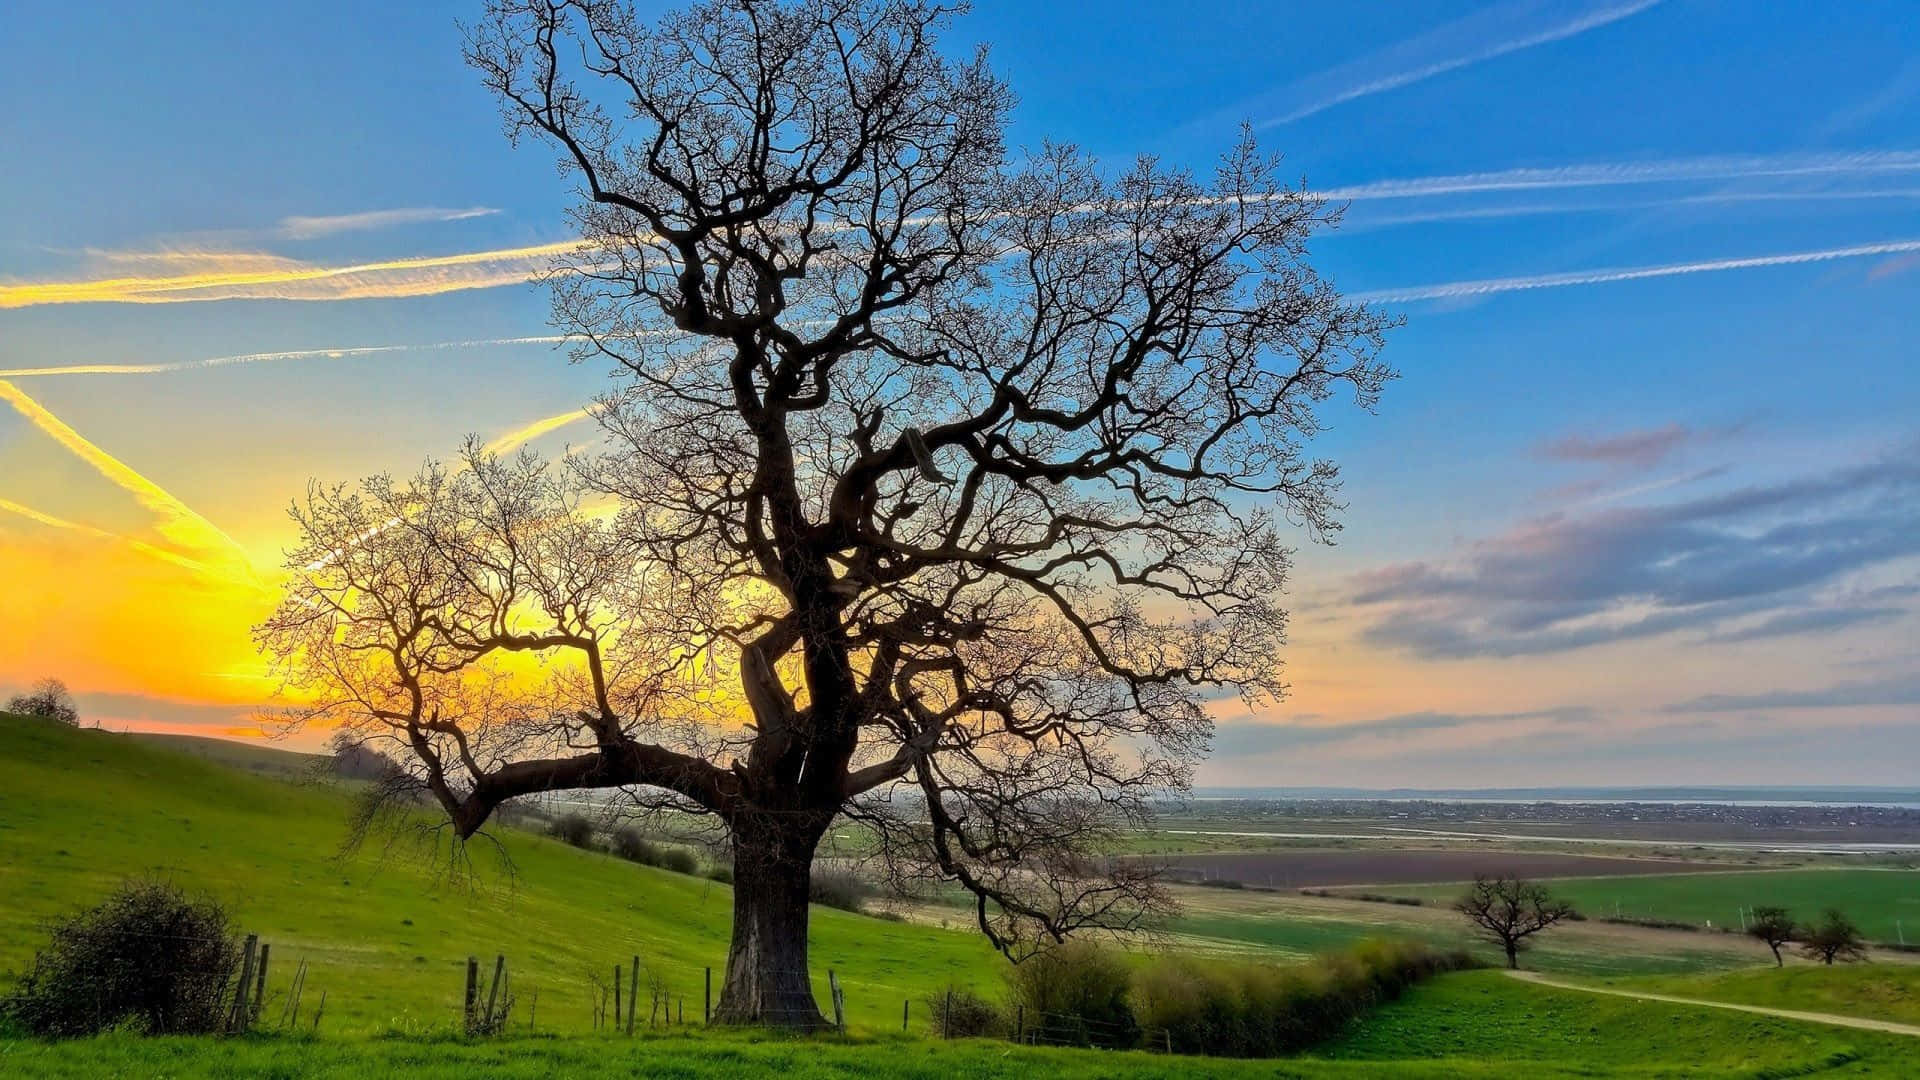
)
(1834, 1019)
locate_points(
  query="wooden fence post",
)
(708, 1019)
(946, 1022)
(238, 1021)
(633, 995)
(493, 993)
(260, 984)
(905, 1005)
(616, 999)
(473, 992)
(839, 1012)
(319, 1010)
(1020, 1023)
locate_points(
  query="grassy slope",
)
(1876, 991)
(1885, 903)
(387, 939)
(1475, 1025)
(268, 760)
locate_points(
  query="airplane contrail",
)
(1608, 174)
(519, 437)
(336, 353)
(1488, 286)
(1460, 43)
(253, 278)
(141, 546)
(178, 522)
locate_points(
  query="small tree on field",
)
(1775, 927)
(1834, 937)
(49, 699)
(1510, 910)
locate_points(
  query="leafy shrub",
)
(679, 860)
(721, 874)
(149, 957)
(959, 1013)
(1257, 1010)
(1075, 994)
(632, 845)
(838, 887)
(573, 828)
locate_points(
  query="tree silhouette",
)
(943, 488)
(1834, 937)
(1775, 927)
(1508, 911)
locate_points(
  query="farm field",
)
(1294, 869)
(1294, 927)
(1885, 903)
(1471, 1025)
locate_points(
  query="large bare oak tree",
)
(942, 487)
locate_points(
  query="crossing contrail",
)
(1488, 286)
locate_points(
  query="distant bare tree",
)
(1834, 937)
(49, 699)
(1508, 911)
(1775, 927)
(944, 489)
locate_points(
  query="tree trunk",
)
(767, 978)
(1513, 956)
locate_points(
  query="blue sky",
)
(1654, 526)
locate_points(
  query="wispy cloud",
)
(177, 522)
(1643, 448)
(1710, 563)
(1489, 286)
(1899, 690)
(1479, 37)
(205, 276)
(306, 228)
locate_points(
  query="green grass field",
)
(1472, 1025)
(387, 939)
(1885, 903)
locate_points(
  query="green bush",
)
(837, 887)
(679, 860)
(1256, 1010)
(1075, 994)
(632, 845)
(573, 828)
(959, 1013)
(150, 958)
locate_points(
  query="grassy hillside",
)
(387, 939)
(387, 933)
(266, 759)
(1885, 903)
